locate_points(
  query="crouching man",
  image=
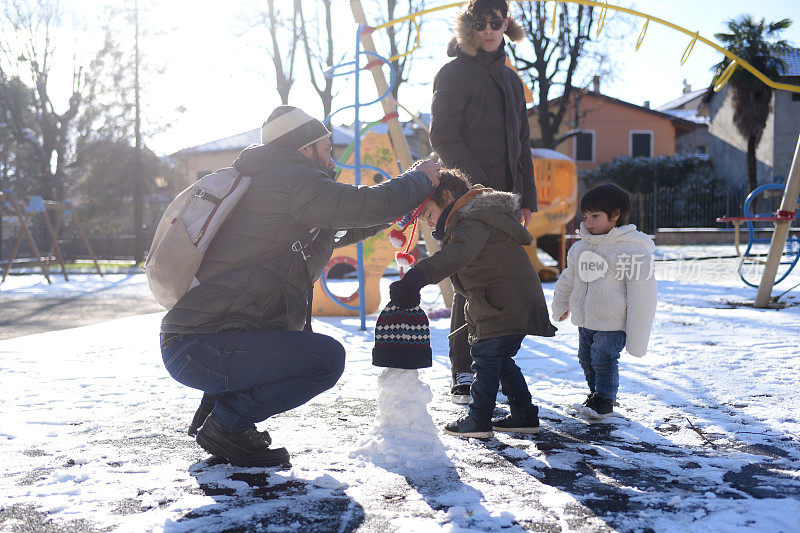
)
(240, 336)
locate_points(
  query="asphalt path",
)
(21, 316)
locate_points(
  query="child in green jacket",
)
(483, 256)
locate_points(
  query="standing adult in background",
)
(479, 124)
(240, 335)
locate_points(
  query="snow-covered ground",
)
(92, 432)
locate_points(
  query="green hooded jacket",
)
(483, 256)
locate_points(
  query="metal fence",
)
(662, 208)
(119, 247)
(687, 207)
(691, 207)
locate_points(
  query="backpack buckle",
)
(199, 192)
(297, 246)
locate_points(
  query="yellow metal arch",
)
(721, 80)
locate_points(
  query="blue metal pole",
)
(362, 293)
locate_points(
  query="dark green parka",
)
(482, 254)
(250, 278)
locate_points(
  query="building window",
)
(641, 144)
(795, 97)
(584, 146)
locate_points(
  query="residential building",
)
(608, 127)
(721, 140)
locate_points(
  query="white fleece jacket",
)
(609, 285)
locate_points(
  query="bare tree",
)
(564, 59)
(27, 56)
(283, 30)
(319, 61)
(401, 37)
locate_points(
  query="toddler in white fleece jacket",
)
(610, 290)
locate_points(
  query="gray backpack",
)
(185, 231)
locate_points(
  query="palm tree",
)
(758, 43)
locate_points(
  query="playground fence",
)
(117, 247)
(687, 207)
(694, 206)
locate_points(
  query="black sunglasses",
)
(480, 24)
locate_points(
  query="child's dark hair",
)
(478, 8)
(609, 199)
(452, 180)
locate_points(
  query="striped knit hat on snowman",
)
(402, 338)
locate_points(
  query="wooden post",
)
(82, 233)
(779, 236)
(54, 241)
(57, 227)
(23, 223)
(399, 143)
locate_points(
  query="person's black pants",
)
(460, 359)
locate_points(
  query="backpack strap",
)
(302, 247)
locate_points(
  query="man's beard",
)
(322, 163)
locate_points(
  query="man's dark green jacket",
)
(250, 278)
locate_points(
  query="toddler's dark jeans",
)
(494, 367)
(598, 354)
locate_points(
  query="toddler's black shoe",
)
(467, 427)
(577, 406)
(597, 407)
(241, 449)
(516, 423)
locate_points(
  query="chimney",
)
(686, 87)
(647, 104)
(596, 84)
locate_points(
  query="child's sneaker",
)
(577, 406)
(460, 390)
(469, 428)
(598, 407)
(518, 424)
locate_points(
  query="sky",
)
(214, 63)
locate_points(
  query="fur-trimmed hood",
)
(490, 199)
(466, 39)
(494, 208)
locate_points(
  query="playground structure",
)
(751, 262)
(557, 195)
(784, 249)
(554, 174)
(22, 220)
(556, 187)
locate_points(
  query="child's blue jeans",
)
(252, 375)
(494, 367)
(598, 353)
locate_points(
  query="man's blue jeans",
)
(598, 353)
(252, 375)
(494, 367)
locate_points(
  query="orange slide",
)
(557, 192)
